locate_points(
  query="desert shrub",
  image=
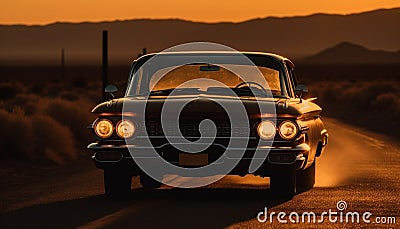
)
(70, 96)
(16, 134)
(374, 103)
(93, 85)
(388, 102)
(75, 115)
(27, 102)
(79, 83)
(37, 88)
(54, 90)
(37, 138)
(52, 139)
(378, 96)
(45, 122)
(9, 90)
(363, 95)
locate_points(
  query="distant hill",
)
(349, 53)
(295, 37)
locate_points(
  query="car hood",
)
(207, 104)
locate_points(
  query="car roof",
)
(272, 55)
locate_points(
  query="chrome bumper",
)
(275, 155)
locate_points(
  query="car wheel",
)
(305, 179)
(116, 183)
(148, 182)
(284, 184)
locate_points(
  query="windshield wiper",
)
(247, 92)
(162, 92)
(180, 91)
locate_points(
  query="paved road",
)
(358, 167)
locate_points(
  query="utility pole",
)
(62, 63)
(105, 64)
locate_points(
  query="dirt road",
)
(358, 167)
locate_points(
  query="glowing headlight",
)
(288, 130)
(103, 128)
(266, 130)
(125, 129)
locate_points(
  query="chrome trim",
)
(299, 157)
(312, 99)
(325, 136)
(95, 158)
(300, 147)
(179, 137)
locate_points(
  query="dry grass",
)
(44, 123)
(371, 104)
(377, 96)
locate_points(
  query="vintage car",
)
(293, 134)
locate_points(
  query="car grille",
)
(192, 130)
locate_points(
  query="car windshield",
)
(201, 78)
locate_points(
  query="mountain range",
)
(349, 53)
(295, 37)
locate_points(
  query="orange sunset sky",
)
(49, 11)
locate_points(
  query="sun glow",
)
(48, 11)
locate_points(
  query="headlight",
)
(266, 130)
(103, 128)
(288, 130)
(125, 129)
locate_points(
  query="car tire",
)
(283, 184)
(305, 179)
(116, 183)
(148, 182)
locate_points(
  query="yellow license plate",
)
(193, 159)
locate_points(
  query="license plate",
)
(193, 159)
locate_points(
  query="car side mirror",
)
(300, 91)
(111, 89)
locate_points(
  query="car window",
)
(291, 78)
(190, 76)
(153, 74)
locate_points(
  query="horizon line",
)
(198, 21)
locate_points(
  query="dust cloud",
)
(347, 156)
